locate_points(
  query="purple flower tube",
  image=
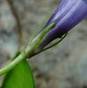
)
(68, 14)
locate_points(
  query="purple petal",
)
(66, 18)
(61, 10)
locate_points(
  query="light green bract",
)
(18, 72)
(19, 77)
(29, 51)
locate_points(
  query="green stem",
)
(8, 67)
(29, 51)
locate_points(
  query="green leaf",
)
(19, 77)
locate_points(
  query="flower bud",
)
(66, 16)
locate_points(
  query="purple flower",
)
(68, 14)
